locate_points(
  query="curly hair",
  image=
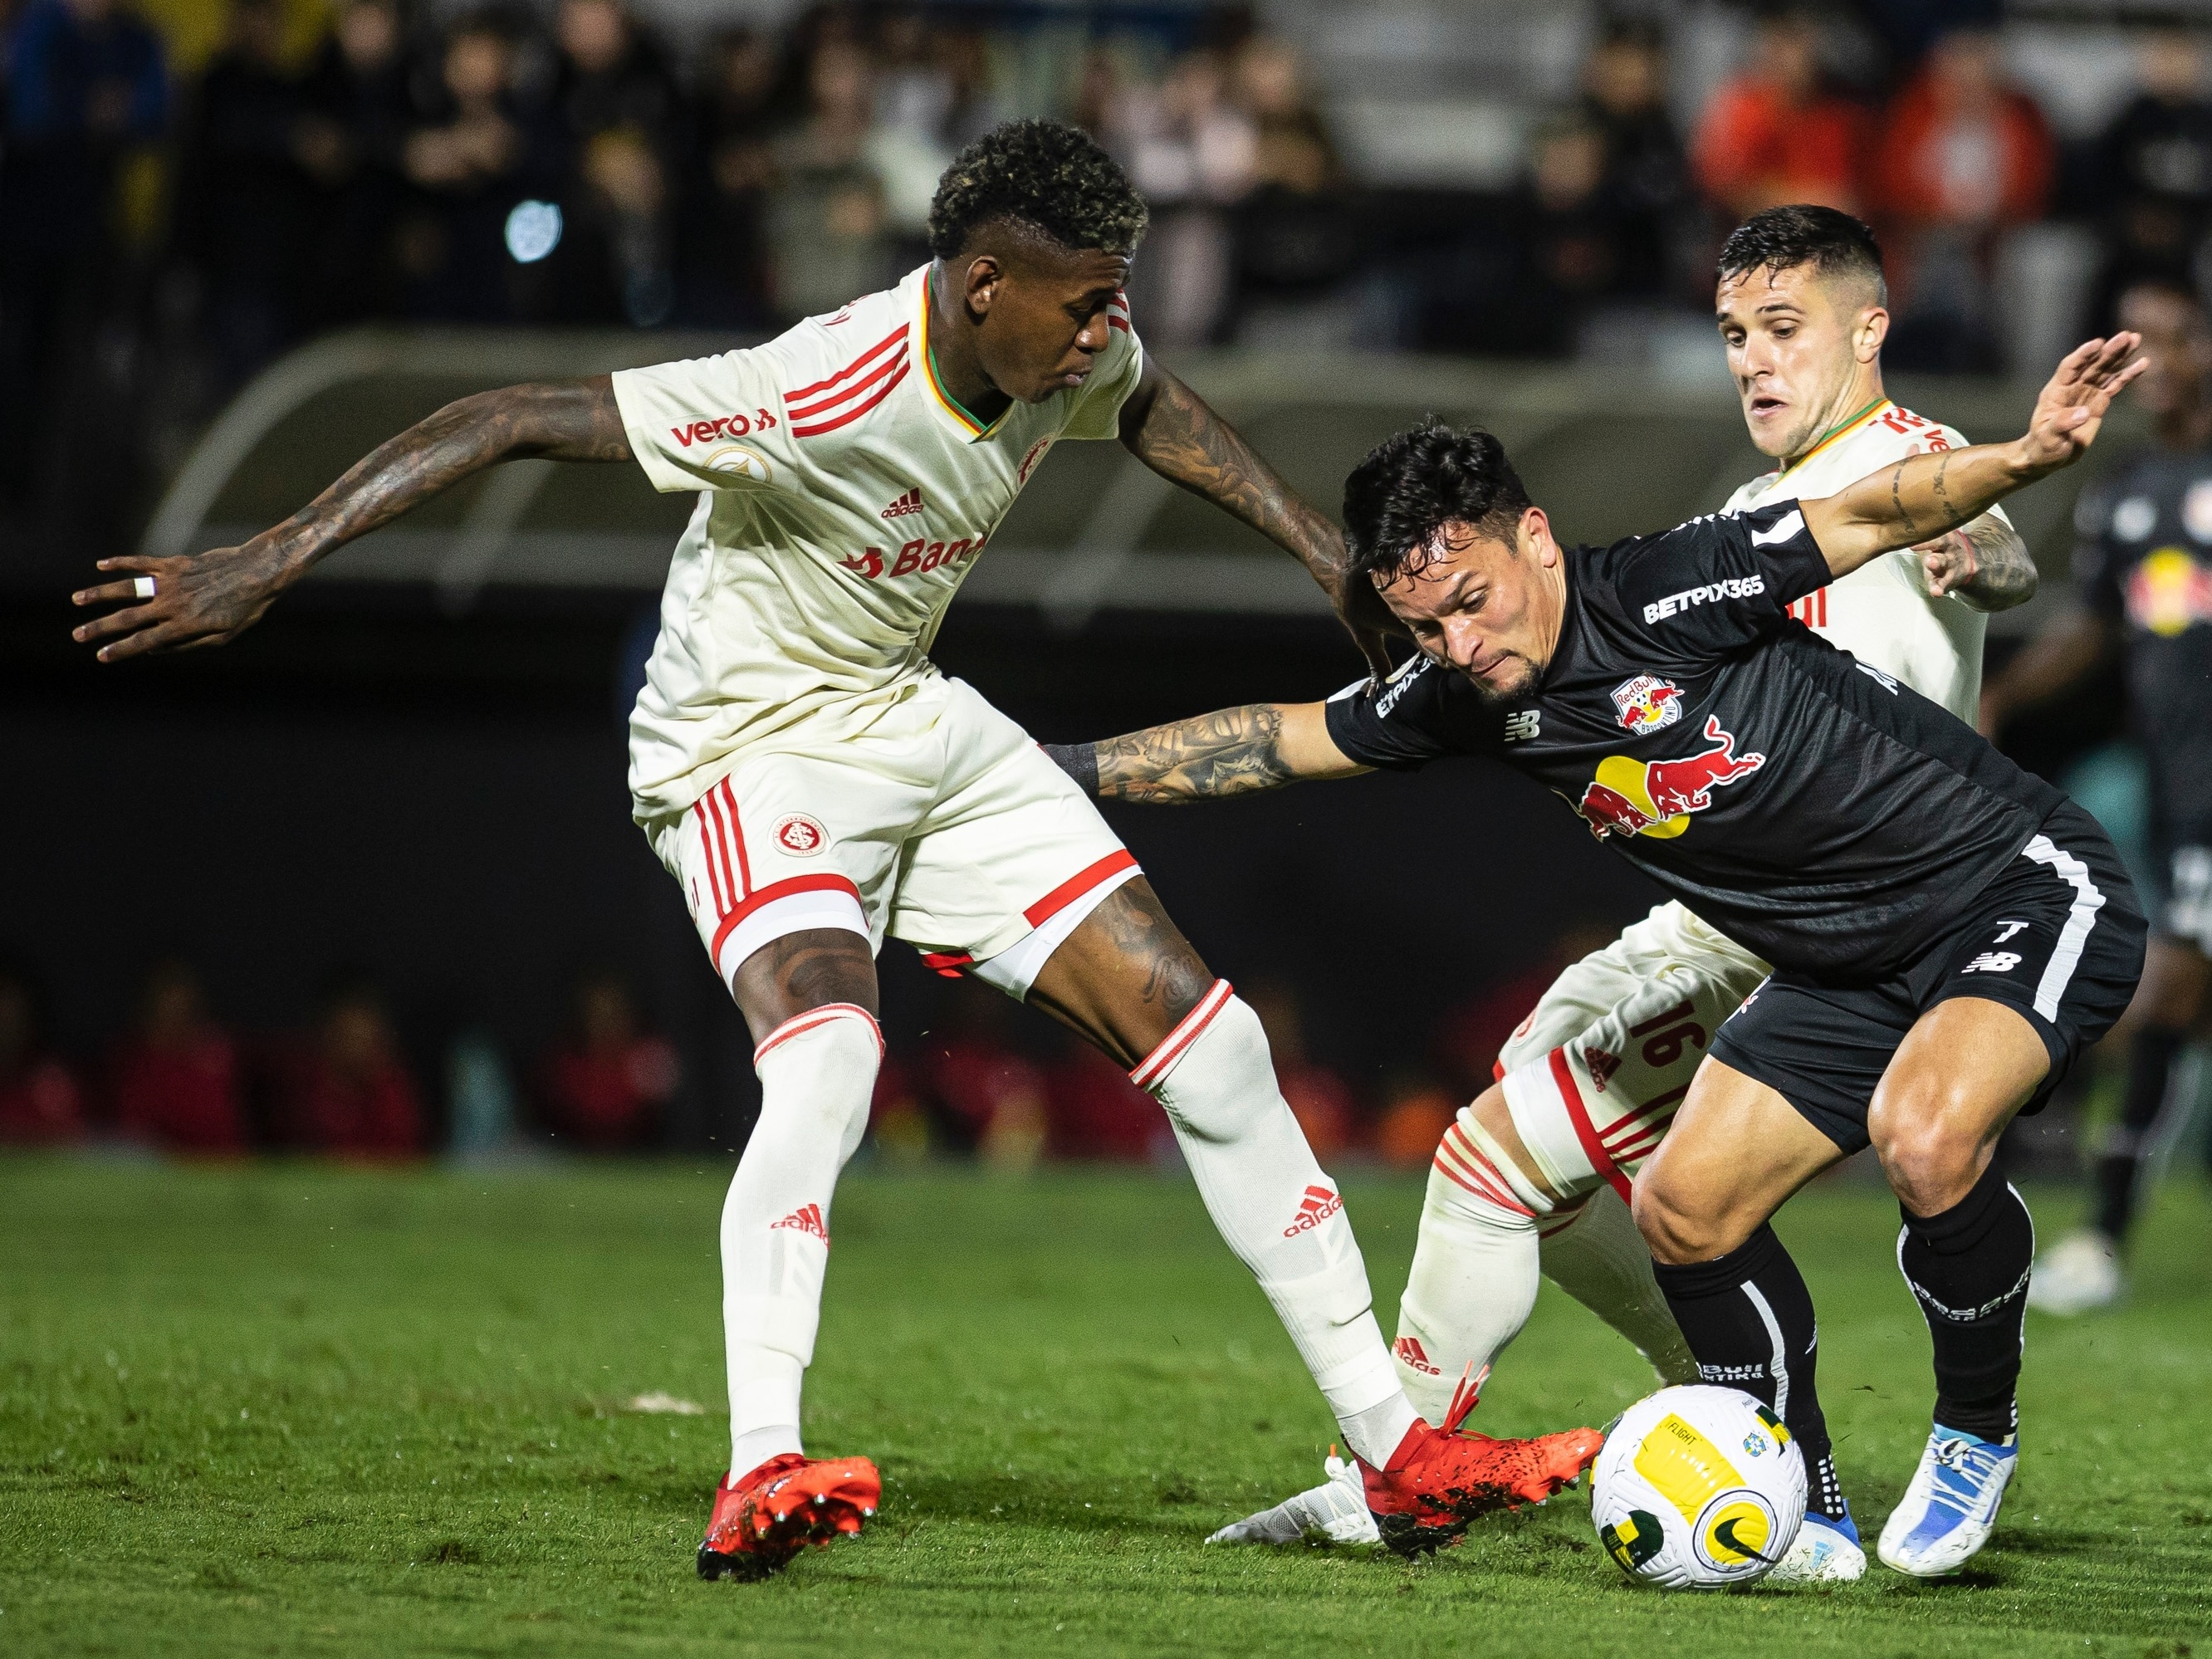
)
(1047, 176)
(1833, 242)
(1412, 485)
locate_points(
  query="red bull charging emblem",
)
(1648, 703)
(1656, 798)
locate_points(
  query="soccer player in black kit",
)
(2143, 566)
(1947, 931)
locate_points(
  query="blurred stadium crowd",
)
(981, 1081)
(189, 188)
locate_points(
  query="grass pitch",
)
(305, 1411)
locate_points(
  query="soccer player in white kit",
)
(1537, 1169)
(815, 784)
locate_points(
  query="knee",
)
(1931, 1159)
(823, 1062)
(1673, 1231)
(1221, 1087)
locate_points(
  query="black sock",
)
(2150, 1070)
(1749, 1319)
(1968, 1266)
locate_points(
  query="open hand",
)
(204, 600)
(2072, 405)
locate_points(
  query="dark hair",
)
(1045, 175)
(1834, 244)
(1409, 487)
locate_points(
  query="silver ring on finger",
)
(142, 588)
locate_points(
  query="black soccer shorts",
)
(2058, 935)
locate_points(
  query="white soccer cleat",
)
(1336, 1509)
(2079, 1274)
(1824, 1552)
(1950, 1507)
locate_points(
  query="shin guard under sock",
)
(1749, 1319)
(1969, 1265)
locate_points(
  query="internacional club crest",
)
(801, 835)
(1648, 703)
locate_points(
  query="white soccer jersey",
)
(843, 496)
(1882, 612)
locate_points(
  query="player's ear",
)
(1537, 538)
(1870, 331)
(979, 283)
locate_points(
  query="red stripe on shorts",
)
(1077, 885)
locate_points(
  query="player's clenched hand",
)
(2073, 405)
(205, 600)
(1948, 563)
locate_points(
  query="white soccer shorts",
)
(1593, 1075)
(939, 823)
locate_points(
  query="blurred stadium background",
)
(365, 882)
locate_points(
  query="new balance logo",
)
(806, 1218)
(1315, 1207)
(1411, 1356)
(909, 502)
(1993, 962)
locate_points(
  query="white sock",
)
(1474, 1279)
(1278, 1211)
(1602, 1261)
(818, 1071)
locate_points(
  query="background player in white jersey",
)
(815, 784)
(1537, 1169)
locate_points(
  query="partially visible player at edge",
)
(1539, 1167)
(1946, 931)
(813, 782)
(2143, 567)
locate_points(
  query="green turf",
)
(301, 1410)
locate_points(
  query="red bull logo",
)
(1648, 703)
(2169, 593)
(1656, 798)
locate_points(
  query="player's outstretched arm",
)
(209, 598)
(1929, 495)
(1234, 751)
(1172, 430)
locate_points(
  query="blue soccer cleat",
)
(1950, 1507)
(1825, 1552)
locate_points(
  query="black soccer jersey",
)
(2144, 563)
(1812, 808)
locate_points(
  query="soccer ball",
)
(1698, 1487)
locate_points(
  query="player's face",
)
(1795, 343)
(1044, 322)
(1485, 607)
(2177, 341)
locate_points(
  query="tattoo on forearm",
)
(1897, 499)
(1232, 753)
(2004, 574)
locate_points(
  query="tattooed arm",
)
(1930, 495)
(1984, 562)
(1234, 751)
(213, 597)
(1170, 429)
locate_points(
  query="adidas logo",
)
(806, 1218)
(1410, 1354)
(909, 502)
(1315, 1207)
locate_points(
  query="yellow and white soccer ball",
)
(1697, 1488)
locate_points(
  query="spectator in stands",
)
(1297, 234)
(1962, 158)
(84, 82)
(346, 1090)
(351, 144)
(723, 278)
(605, 1085)
(1193, 154)
(2152, 175)
(625, 124)
(828, 234)
(41, 1102)
(985, 1088)
(478, 150)
(1646, 182)
(1777, 133)
(247, 199)
(176, 1077)
(1319, 1098)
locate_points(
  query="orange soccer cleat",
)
(789, 1502)
(1439, 1480)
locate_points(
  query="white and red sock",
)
(817, 1073)
(1278, 1210)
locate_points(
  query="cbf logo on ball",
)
(1648, 703)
